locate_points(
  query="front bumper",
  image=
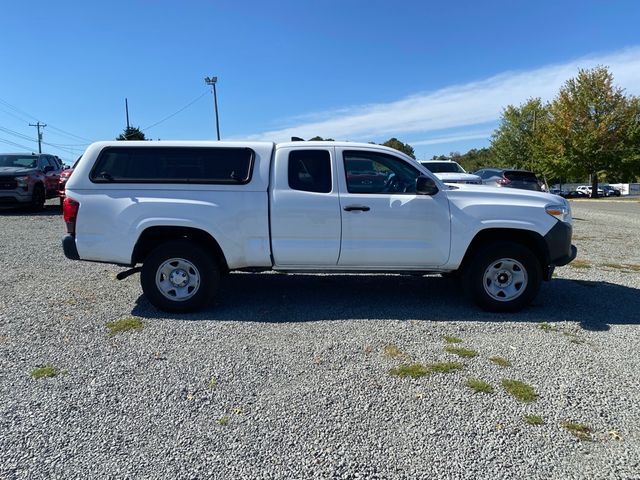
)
(560, 251)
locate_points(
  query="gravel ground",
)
(287, 376)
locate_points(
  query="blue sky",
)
(434, 74)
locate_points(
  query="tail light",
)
(70, 214)
(503, 181)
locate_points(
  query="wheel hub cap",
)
(505, 279)
(179, 278)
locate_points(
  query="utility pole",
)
(126, 109)
(38, 125)
(212, 81)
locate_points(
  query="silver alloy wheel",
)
(177, 279)
(505, 279)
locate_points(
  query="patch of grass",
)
(213, 383)
(451, 339)
(45, 372)
(461, 352)
(444, 367)
(580, 264)
(392, 351)
(503, 362)
(414, 370)
(534, 420)
(417, 370)
(626, 267)
(580, 431)
(124, 325)
(479, 386)
(547, 327)
(224, 420)
(520, 390)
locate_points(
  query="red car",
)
(64, 176)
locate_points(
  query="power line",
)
(177, 112)
(9, 142)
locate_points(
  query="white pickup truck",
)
(188, 212)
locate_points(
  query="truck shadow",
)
(279, 298)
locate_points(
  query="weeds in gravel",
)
(580, 431)
(124, 325)
(547, 327)
(580, 264)
(461, 352)
(534, 420)
(213, 383)
(392, 351)
(45, 372)
(627, 267)
(444, 367)
(414, 370)
(501, 361)
(451, 339)
(520, 390)
(417, 370)
(224, 420)
(479, 386)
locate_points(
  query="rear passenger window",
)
(173, 165)
(310, 171)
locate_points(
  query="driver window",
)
(373, 172)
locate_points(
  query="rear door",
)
(305, 208)
(384, 223)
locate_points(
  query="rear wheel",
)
(180, 276)
(503, 277)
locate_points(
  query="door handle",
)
(351, 208)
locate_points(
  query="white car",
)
(451, 172)
(586, 189)
(189, 212)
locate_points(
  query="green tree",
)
(402, 147)
(475, 159)
(131, 133)
(517, 142)
(318, 138)
(592, 126)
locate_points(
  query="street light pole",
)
(212, 81)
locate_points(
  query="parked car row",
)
(451, 172)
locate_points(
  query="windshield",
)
(24, 161)
(443, 167)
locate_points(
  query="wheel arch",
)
(151, 237)
(530, 239)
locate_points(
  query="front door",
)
(384, 223)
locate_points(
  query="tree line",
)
(591, 129)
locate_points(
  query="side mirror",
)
(426, 186)
(47, 169)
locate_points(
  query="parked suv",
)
(586, 189)
(451, 172)
(500, 177)
(28, 179)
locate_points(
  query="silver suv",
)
(28, 179)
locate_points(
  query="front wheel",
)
(180, 276)
(503, 277)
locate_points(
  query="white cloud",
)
(463, 105)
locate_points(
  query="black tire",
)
(483, 276)
(38, 197)
(192, 262)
